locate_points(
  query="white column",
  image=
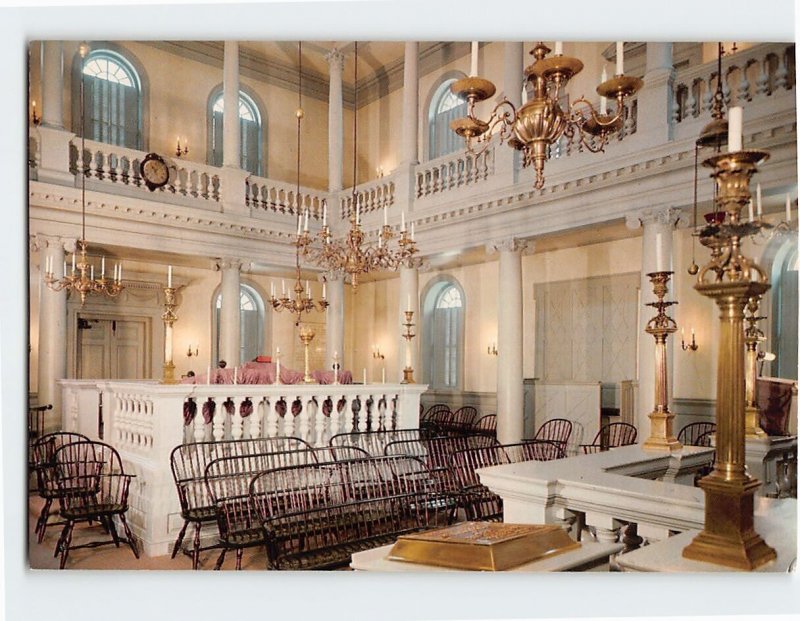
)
(410, 155)
(335, 121)
(334, 318)
(53, 84)
(655, 99)
(510, 397)
(231, 148)
(657, 225)
(409, 300)
(513, 79)
(52, 323)
(229, 318)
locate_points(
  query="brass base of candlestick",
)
(729, 537)
(408, 376)
(751, 426)
(306, 336)
(661, 436)
(169, 374)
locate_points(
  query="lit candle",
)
(603, 100)
(102, 267)
(364, 377)
(208, 375)
(788, 209)
(169, 277)
(620, 57)
(750, 209)
(734, 129)
(473, 65)
(559, 48)
(758, 200)
(324, 213)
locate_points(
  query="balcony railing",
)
(454, 171)
(279, 197)
(372, 196)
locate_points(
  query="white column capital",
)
(664, 216)
(335, 59)
(511, 244)
(331, 276)
(41, 241)
(229, 263)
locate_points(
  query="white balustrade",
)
(372, 196)
(753, 73)
(454, 171)
(279, 197)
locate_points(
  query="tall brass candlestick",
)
(752, 337)
(661, 326)
(306, 336)
(731, 279)
(169, 318)
(408, 371)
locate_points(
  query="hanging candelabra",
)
(81, 279)
(353, 255)
(541, 121)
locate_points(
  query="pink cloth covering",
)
(264, 373)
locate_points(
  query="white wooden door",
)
(111, 348)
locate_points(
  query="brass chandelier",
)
(352, 255)
(81, 279)
(302, 301)
(541, 121)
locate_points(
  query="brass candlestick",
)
(408, 371)
(661, 326)
(169, 318)
(752, 337)
(336, 368)
(306, 336)
(731, 279)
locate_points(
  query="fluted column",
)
(231, 147)
(52, 322)
(229, 317)
(510, 401)
(657, 225)
(335, 121)
(334, 318)
(410, 154)
(53, 84)
(409, 300)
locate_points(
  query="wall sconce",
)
(182, 151)
(376, 353)
(492, 349)
(193, 352)
(688, 346)
(379, 172)
(35, 119)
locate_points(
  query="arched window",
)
(251, 324)
(444, 107)
(112, 102)
(443, 336)
(784, 311)
(250, 133)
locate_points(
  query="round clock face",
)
(154, 171)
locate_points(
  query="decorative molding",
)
(511, 244)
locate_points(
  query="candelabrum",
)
(731, 280)
(169, 318)
(306, 336)
(541, 121)
(408, 371)
(182, 150)
(753, 337)
(81, 280)
(300, 303)
(661, 326)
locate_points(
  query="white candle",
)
(402, 220)
(473, 64)
(47, 265)
(283, 293)
(208, 375)
(620, 57)
(91, 272)
(120, 272)
(383, 375)
(73, 262)
(272, 290)
(169, 276)
(412, 231)
(758, 199)
(659, 252)
(734, 129)
(364, 377)
(559, 48)
(64, 273)
(324, 213)
(408, 307)
(299, 222)
(324, 290)
(385, 215)
(788, 209)
(750, 209)
(305, 225)
(103, 267)
(308, 289)
(603, 100)
(358, 211)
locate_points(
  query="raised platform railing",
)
(144, 421)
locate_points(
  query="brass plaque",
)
(483, 546)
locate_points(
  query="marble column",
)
(656, 97)
(510, 392)
(229, 317)
(231, 147)
(657, 225)
(410, 155)
(335, 60)
(53, 84)
(334, 318)
(409, 300)
(52, 323)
